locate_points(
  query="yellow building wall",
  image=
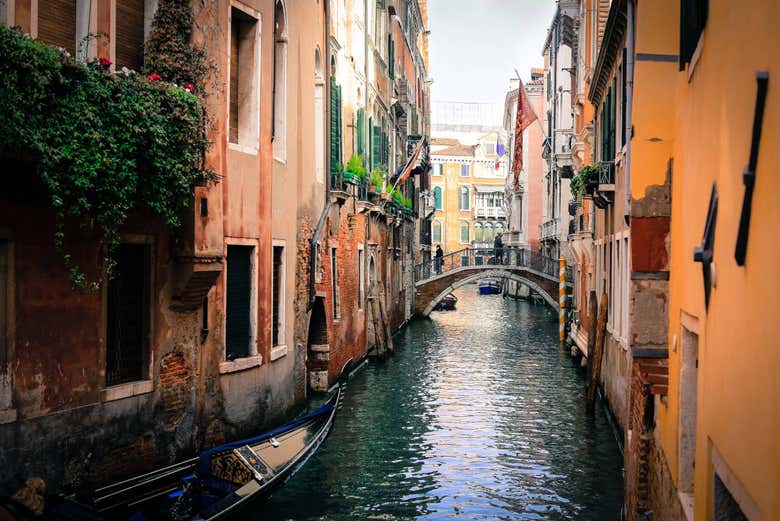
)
(738, 410)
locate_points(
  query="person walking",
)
(498, 247)
(439, 258)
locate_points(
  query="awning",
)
(488, 189)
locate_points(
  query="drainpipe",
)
(629, 102)
(321, 222)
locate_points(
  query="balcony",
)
(550, 230)
(429, 204)
(490, 212)
(604, 195)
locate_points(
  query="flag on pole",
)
(525, 116)
(407, 169)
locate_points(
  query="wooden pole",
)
(593, 311)
(598, 351)
(561, 299)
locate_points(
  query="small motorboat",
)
(488, 286)
(213, 485)
(447, 303)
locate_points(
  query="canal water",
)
(478, 415)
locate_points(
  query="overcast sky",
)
(475, 45)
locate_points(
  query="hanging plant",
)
(103, 144)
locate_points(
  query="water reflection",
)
(478, 416)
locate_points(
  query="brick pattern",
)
(175, 388)
(126, 460)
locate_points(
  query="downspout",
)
(313, 258)
(629, 102)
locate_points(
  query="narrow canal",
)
(478, 415)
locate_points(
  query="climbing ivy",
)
(103, 144)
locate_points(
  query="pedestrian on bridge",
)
(498, 246)
(439, 258)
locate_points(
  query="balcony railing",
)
(490, 212)
(550, 229)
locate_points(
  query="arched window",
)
(477, 232)
(465, 236)
(319, 117)
(488, 235)
(279, 134)
(499, 227)
(437, 197)
(436, 231)
(464, 202)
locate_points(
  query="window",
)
(464, 232)
(57, 24)
(277, 324)
(361, 129)
(488, 235)
(490, 149)
(335, 126)
(464, 170)
(279, 134)
(499, 227)
(436, 231)
(5, 300)
(478, 236)
(334, 278)
(693, 18)
(464, 201)
(239, 288)
(129, 37)
(243, 85)
(319, 115)
(689, 363)
(361, 277)
(726, 508)
(128, 315)
(437, 197)
(437, 169)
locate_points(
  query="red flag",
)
(525, 116)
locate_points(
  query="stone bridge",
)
(439, 277)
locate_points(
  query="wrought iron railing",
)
(488, 257)
(607, 173)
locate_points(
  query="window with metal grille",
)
(277, 329)
(128, 315)
(238, 296)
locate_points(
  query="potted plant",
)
(377, 179)
(355, 170)
(586, 181)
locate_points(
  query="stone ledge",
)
(240, 364)
(278, 352)
(7, 416)
(121, 391)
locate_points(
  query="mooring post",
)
(561, 299)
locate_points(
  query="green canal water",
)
(477, 415)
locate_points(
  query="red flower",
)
(188, 87)
(154, 77)
(105, 62)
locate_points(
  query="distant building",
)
(468, 189)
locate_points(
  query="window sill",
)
(240, 364)
(243, 148)
(121, 391)
(7, 416)
(278, 352)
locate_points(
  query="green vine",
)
(103, 144)
(585, 180)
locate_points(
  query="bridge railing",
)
(507, 256)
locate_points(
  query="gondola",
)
(211, 486)
(488, 286)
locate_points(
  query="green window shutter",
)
(361, 128)
(384, 148)
(437, 197)
(391, 56)
(376, 147)
(335, 126)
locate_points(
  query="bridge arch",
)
(495, 273)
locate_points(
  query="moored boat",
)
(489, 286)
(447, 303)
(211, 486)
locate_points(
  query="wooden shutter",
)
(129, 33)
(376, 147)
(361, 139)
(238, 288)
(233, 88)
(335, 126)
(57, 23)
(391, 56)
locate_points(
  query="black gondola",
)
(211, 486)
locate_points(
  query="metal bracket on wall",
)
(705, 252)
(749, 174)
